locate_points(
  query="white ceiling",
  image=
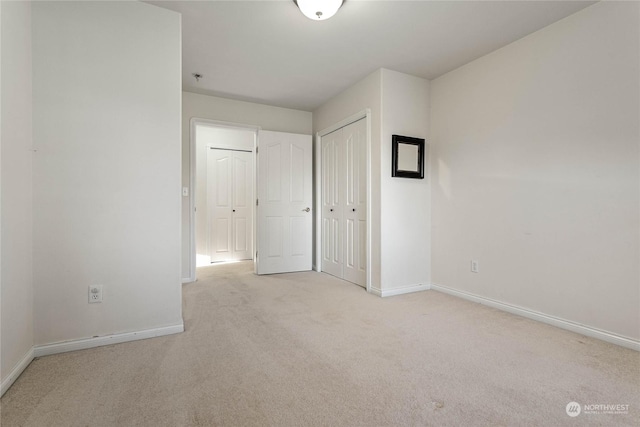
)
(268, 52)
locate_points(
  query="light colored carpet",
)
(306, 349)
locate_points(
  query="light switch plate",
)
(475, 268)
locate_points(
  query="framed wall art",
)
(407, 157)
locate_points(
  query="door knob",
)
(306, 210)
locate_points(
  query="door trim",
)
(364, 114)
(193, 123)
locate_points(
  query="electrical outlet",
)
(475, 267)
(95, 294)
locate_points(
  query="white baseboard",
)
(544, 318)
(15, 372)
(399, 291)
(375, 291)
(62, 347)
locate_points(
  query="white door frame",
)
(193, 123)
(364, 114)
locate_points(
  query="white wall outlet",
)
(95, 294)
(475, 266)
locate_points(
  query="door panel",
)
(297, 227)
(331, 208)
(297, 192)
(351, 242)
(240, 235)
(285, 196)
(241, 182)
(362, 259)
(274, 233)
(229, 207)
(219, 204)
(355, 213)
(221, 233)
(273, 174)
(242, 209)
(222, 186)
(344, 203)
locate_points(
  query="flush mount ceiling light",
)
(318, 10)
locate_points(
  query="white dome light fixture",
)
(318, 10)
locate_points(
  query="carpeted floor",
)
(306, 349)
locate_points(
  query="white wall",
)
(208, 136)
(107, 106)
(536, 171)
(405, 207)
(364, 94)
(16, 186)
(227, 110)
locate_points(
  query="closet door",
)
(229, 196)
(355, 203)
(332, 203)
(242, 206)
(344, 203)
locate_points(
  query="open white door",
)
(284, 215)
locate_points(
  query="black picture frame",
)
(407, 157)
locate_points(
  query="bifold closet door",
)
(344, 203)
(229, 204)
(332, 203)
(355, 206)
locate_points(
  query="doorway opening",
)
(223, 188)
(275, 229)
